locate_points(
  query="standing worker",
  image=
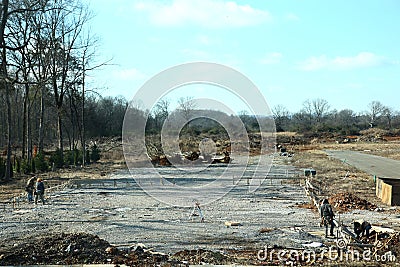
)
(327, 216)
(39, 190)
(30, 187)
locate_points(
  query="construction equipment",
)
(197, 212)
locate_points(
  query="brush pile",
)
(347, 201)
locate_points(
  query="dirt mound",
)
(76, 248)
(55, 249)
(347, 201)
(82, 248)
(143, 257)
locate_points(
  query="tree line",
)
(317, 115)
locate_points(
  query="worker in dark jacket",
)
(327, 216)
(361, 228)
(39, 190)
(30, 187)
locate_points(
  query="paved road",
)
(374, 165)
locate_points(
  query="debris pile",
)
(393, 244)
(140, 256)
(64, 249)
(385, 242)
(82, 248)
(75, 248)
(347, 201)
(191, 157)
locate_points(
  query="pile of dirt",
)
(372, 134)
(75, 248)
(82, 248)
(64, 249)
(347, 201)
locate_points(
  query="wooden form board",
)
(388, 189)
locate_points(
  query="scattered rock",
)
(201, 256)
(228, 224)
(111, 250)
(265, 230)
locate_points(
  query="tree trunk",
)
(9, 131)
(71, 108)
(59, 132)
(41, 120)
(24, 120)
(29, 135)
(6, 85)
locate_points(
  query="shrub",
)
(73, 157)
(40, 163)
(25, 166)
(87, 156)
(33, 166)
(2, 168)
(95, 155)
(56, 158)
(18, 165)
(78, 157)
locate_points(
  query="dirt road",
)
(374, 165)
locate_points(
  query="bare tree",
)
(307, 111)
(5, 80)
(161, 112)
(388, 113)
(7, 11)
(281, 117)
(40, 65)
(186, 107)
(65, 24)
(320, 109)
(376, 109)
(23, 62)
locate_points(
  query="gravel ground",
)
(118, 210)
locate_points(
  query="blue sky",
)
(346, 52)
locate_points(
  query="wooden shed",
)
(388, 189)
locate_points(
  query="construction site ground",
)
(111, 207)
